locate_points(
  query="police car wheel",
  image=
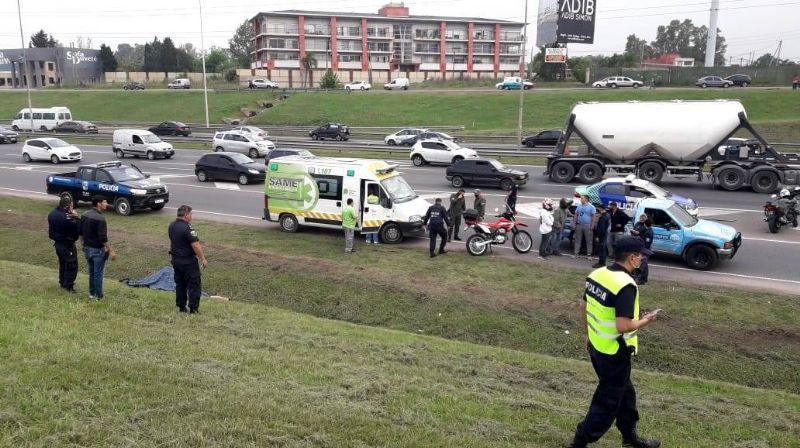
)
(26, 157)
(701, 257)
(288, 223)
(123, 207)
(151, 155)
(391, 233)
(54, 159)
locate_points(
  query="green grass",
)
(736, 336)
(131, 371)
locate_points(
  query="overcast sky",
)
(748, 25)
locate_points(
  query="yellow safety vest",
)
(602, 286)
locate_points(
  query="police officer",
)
(457, 206)
(479, 204)
(610, 312)
(64, 228)
(435, 218)
(186, 251)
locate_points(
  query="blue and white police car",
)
(628, 191)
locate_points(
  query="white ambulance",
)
(312, 191)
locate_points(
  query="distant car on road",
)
(252, 130)
(180, 83)
(740, 80)
(513, 83)
(140, 143)
(284, 152)
(81, 127)
(171, 128)
(614, 82)
(403, 136)
(133, 85)
(262, 84)
(332, 131)
(358, 85)
(713, 81)
(241, 142)
(8, 136)
(544, 138)
(53, 149)
(439, 151)
(230, 166)
(428, 135)
(397, 83)
(484, 172)
(628, 191)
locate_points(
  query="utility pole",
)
(522, 86)
(25, 61)
(776, 56)
(203, 55)
(711, 42)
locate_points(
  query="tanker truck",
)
(679, 138)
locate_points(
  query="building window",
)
(378, 58)
(349, 45)
(484, 34)
(349, 58)
(282, 43)
(484, 48)
(430, 33)
(278, 28)
(378, 46)
(509, 49)
(318, 30)
(283, 56)
(318, 44)
(2, 82)
(456, 48)
(455, 34)
(352, 31)
(378, 32)
(426, 47)
(51, 80)
(429, 59)
(459, 60)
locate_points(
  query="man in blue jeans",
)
(96, 247)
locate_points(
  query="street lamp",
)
(24, 60)
(522, 87)
(203, 57)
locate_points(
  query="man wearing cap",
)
(479, 204)
(610, 313)
(186, 251)
(457, 206)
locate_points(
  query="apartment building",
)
(375, 45)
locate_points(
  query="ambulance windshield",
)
(398, 189)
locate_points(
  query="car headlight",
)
(252, 171)
(415, 218)
(138, 191)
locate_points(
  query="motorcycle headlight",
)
(251, 171)
(138, 192)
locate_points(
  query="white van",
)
(397, 83)
(180, 83)
(312, 191)
(140, 143)
(44, 119)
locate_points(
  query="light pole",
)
(522, 86)
(203, 57)
(25, 61)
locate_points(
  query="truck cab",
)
(699, 242)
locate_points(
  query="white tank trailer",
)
(653, 138)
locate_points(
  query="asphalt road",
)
(765, 261)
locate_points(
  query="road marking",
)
(226, 186)
(727, 273)
(770, 240)
(220, 214)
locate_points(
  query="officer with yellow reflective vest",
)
(610, 312)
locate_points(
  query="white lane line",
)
(226, 186)
(770, 240)
(220, 214)
(728, 274)
(212, 188)
(23, 191)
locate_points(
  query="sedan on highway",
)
(230, 166)
(484, 172)
(428, 135)
(740, 80)
(333, 131)
(358, 85)
(8, 136)
(544, 138)
(171, 128)
(53, 149)
(403, 136)
(617, 81)
(713, 81)
(80, 127)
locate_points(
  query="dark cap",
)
(631, 244)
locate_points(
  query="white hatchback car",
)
(402, 136)
(236, 141)
(358, 85)
(52, 149)
(439, 151)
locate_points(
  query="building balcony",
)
(483, 67)
(350, 64)
(379, 51)
(457, 38)
(349, 50)
(510, 37)
(278, 49)
(427, 38)
(379, 65)
(456, 67)
(430, 66)
(484, 38)
(481, 53)
(387, 36)
(426, 52)
(348, 36)
(287, 63)
(279, 32)
(509, 67)
(318, 32)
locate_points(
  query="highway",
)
(766, 261)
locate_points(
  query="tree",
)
(107, 59)
(329, 80)
(152, 56)
(309, 63)
(684, 39)
(52, 42)
(638, 48)
(168, 56)
(130, 58)
(241, 44)
(768, 60)
(186, 58)
(39, 40)
(216, 60)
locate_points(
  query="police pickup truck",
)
(125, 187)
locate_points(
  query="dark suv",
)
(333, 131)
(171, 128)
(544, 138)
(740, 80)
(487, 172)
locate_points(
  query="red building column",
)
(334, 45)
(470, 45)
(301, 41)
(364, 54)
(496, 49)
(442, 45)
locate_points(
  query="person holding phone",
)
(610, 314)
(64, 228)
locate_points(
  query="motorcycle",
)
(497, 232)
(783, 214)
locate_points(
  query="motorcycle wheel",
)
(522, 242)
(474, 247)
(774, 224)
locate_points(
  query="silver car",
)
(245, 143)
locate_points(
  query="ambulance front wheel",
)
(288, 223)
(391, 233)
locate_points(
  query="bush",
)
(231, 75)
(329, 80)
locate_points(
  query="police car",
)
(124, 186)
(628, 191)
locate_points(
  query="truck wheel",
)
(15, 128)
(123, 207)
(418, 160)
(151, 155)
(44, 128)
(764, 182)
(562, 172)
(590, 173)
(731, 178)
(119, 153)
(701, 257)
(457, 182)
(54, 159)
(288, 223)
(391, 233)
(651, 171)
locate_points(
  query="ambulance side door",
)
(328, 210)
(373, 214)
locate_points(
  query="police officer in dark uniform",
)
(435, 218)
(64, 228)
(186, 251)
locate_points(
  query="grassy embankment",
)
(711, 333)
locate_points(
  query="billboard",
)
(565, 21)
(557, 55)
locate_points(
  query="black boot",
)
(634, 441)
(578, 442)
